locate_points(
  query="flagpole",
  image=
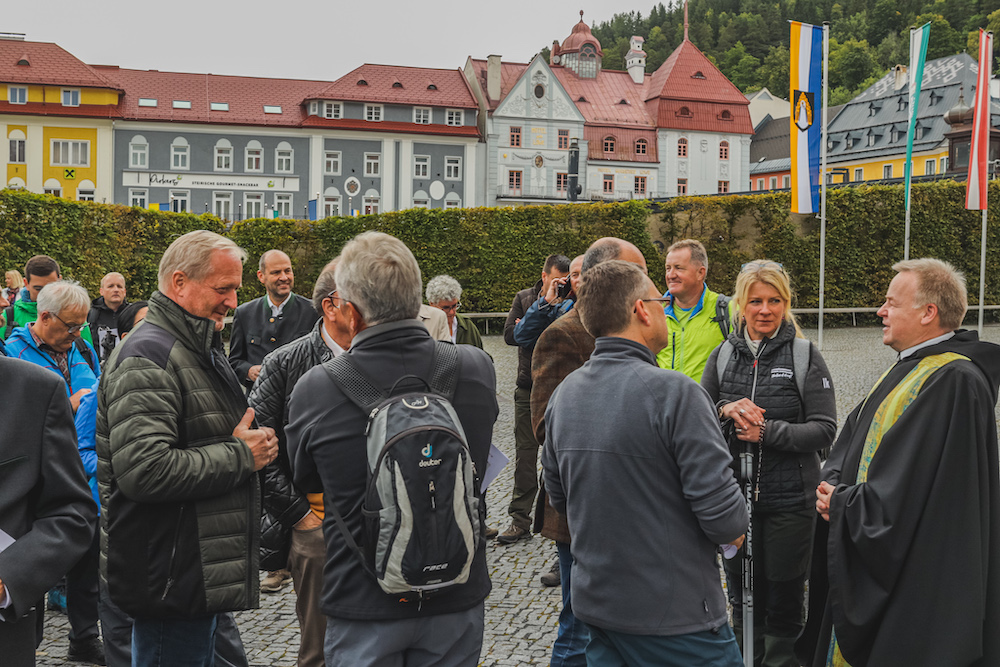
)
(823, 177)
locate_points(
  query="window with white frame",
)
(85, 194)
(314, 108)
(454, 117)
(17, 94)
(272, 108)
(929, 167)
(944, 164)
(70, 153)
(138, 198)
(760, 183)
(331, 202)
(373, 112)
(608, 184)
(18, 147)
(421, 203)
(180, 153)
(71, 97)
(222, 205)
(283, 205)
(421, 166)
(283, 158)
(254, 154)
(182, 104)
(422, 116)
(453, 203)
(180, 201)
(373, 164)
(887, 171)
(253, 205)
(53, 190)
(331, 163)
(148, 102)
(773, 182)
(218, 106)
(452, 168)
(786, 181)
(333, 110)
(224, 157)
(371, 205)
(859, 174)
(138, 151)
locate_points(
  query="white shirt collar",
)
(276, 310)
(330, 342)
(927, 343)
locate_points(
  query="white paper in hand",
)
(495, 462)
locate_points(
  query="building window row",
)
(180, 151)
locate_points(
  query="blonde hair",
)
(15, 275)
(939, 283)
(771, 274)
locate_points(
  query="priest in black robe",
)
(912, 496)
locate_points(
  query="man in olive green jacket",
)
(178, 455)
(698, 319)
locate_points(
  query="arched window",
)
(588, 62)
(138, 150)
(609, 144)
(640, 146)
(254, 154)
(284, 158)
(723, 150)
(726, 115)
(684, 112)
(180, 153)
(223, 155)
(682, 148)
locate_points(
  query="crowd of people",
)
(148, 477)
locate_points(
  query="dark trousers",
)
(306, 560)
(618, 649)
(19, 638)
(116, 627)
(525, 461)
(781, 551)
(83, 593)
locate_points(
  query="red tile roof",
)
(48, 65)
(83, 111)
(703, 116)
(581, 35)
(245, 95)
(391, 126)
(603, 96)
(393, 84)
(509, 74)
(624, 143)
(677, 79)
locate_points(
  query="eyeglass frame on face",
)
(454, 307)
(661, 299)
(331, 297)
(77, 328)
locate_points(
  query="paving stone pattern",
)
(521, 614)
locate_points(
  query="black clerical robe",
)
(914, 533)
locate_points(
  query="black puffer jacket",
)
(284, 505)
(796, 428)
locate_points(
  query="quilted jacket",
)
(180, 502)
(284, 504)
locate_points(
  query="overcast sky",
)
(299, 39)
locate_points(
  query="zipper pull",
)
(371, 418)
(430, 487)
(756, 492)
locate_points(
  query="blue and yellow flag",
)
(806, 79)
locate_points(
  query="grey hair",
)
(262, 264)
(443, 288)
(697, 249)
(191, 254)
(939, 283)
(56, 297)
(326, 283)
(379, 275)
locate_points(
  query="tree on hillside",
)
(741, 68)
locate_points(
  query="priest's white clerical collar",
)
(927, 343)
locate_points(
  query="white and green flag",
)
(918, 55)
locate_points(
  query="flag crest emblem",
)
(804, 109)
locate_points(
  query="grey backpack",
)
(421, 512)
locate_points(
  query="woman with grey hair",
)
(443, 292)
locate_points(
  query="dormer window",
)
(609, 144)
(71, 97)
(431, 87)
(587, 68)
(873, 109)
(684, 112)
(581, 99)
(373, 112)
(902, 103)
(623, 101)
(362, 82)
(640, 146)
(894, 134)
(397, 84)
(698, 75)
(935, 98)
(726, 115)
(332, 110)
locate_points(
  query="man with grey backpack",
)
(395, 433)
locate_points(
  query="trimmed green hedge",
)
(492, 252)
(864, 238)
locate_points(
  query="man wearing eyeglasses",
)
(697, 317)
(291, 526)
(53, 342)
(443, 292)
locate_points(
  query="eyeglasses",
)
(331, 297)
(660, 299)
(750, 266)
(453, 307)
(70, 328)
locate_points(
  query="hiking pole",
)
(747, 465)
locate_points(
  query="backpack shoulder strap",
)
(721, 361)
(801, 350)
(722, 314)
(81, 345)
(355, 384)
(8, 314)
(444, 375)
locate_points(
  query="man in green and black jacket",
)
(178, 453)
(698, 319)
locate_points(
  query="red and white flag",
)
(975, 195)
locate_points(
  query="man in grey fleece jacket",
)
(635, 459)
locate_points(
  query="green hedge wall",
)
(492, 252)
(864, 238)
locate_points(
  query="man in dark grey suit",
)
(47, 516)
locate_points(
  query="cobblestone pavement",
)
(521, 614)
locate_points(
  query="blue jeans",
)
(571, 642)
(698, 649)
(177, 643)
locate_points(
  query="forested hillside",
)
(748, 39)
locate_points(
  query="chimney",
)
(901, 78)
(635, 60)
(493, 77)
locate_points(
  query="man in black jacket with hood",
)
(103, 315)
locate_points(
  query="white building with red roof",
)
(684, 129)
